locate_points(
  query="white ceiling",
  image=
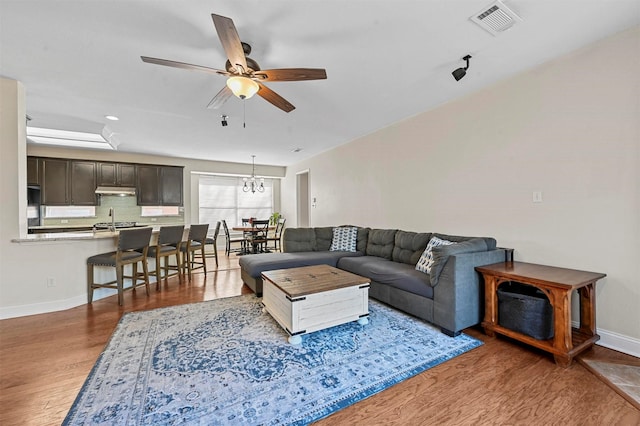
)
(79, 60)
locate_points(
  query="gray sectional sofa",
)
(450, 297)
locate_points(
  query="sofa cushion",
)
(380, 243)
(323, 238)
(394, 274)
(363, 238)
(409, 246)
(256, 264)
(441, 254)
(299, 239)
(426, 259)
(344, 238)
(491, 242)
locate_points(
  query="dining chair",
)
(277, 236)
(258, 236)
(168, 244)
(230, 241)
(195, 242)
(133, 246)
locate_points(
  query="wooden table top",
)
(297, 282)
(543, 274)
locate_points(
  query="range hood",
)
(116, 190)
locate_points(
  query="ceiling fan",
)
(245, 76)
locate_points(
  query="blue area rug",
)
(225, 362)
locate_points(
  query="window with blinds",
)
(222, 197)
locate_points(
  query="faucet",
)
(113, 219)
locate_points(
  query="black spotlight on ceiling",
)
(460, 72)
(224, 120)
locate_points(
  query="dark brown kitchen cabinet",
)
(83, 183)
(159, 185)
(148, 185)
(33, 171)
(67, 182)
(116, 174)
(55, 182)
(171, 186)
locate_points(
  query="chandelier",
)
(252, 183)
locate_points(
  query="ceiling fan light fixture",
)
(242, 87)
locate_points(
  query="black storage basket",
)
(525, 309)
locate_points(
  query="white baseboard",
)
(619, 342)
(41, 308)
(616, 341)
(7, 312)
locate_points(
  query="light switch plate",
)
(537, 196)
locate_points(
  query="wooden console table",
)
(557, 284)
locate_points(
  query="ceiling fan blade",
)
(230, 40)
(220, 98)
(275, 99)
(292, 74)
(182, 65)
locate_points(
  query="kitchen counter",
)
(71, 236)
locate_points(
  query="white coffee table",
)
(311, 298)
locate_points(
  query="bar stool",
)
(133, 245)
(169, 240)
(195, 241)
(214, 241)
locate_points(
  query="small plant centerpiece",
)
(274, 218)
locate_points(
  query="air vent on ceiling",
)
(496, 18)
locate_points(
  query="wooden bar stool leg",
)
(178, 267)
(90, 283)
(134, 276)
(119, 280)
(158, 272)
(189, 255)
(204, 259)
(145, 271)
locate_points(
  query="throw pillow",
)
(426, 260)
(344, 238)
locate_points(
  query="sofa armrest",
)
(458, 300)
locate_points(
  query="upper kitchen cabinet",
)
(116, 174)
(67, 182)
(83, 183)
(171, 186)
(148, 185)
(55, 182)
(33, 171)
(159, 185)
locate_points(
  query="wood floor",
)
(44, 360)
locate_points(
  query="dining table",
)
(253, 230)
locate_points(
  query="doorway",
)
(302, 198)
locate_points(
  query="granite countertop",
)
(71, 236)
(66, 225)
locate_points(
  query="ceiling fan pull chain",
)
(244, 113)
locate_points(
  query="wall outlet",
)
(64, 221)
(537, 196)
(51, 282)
(153, 219)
